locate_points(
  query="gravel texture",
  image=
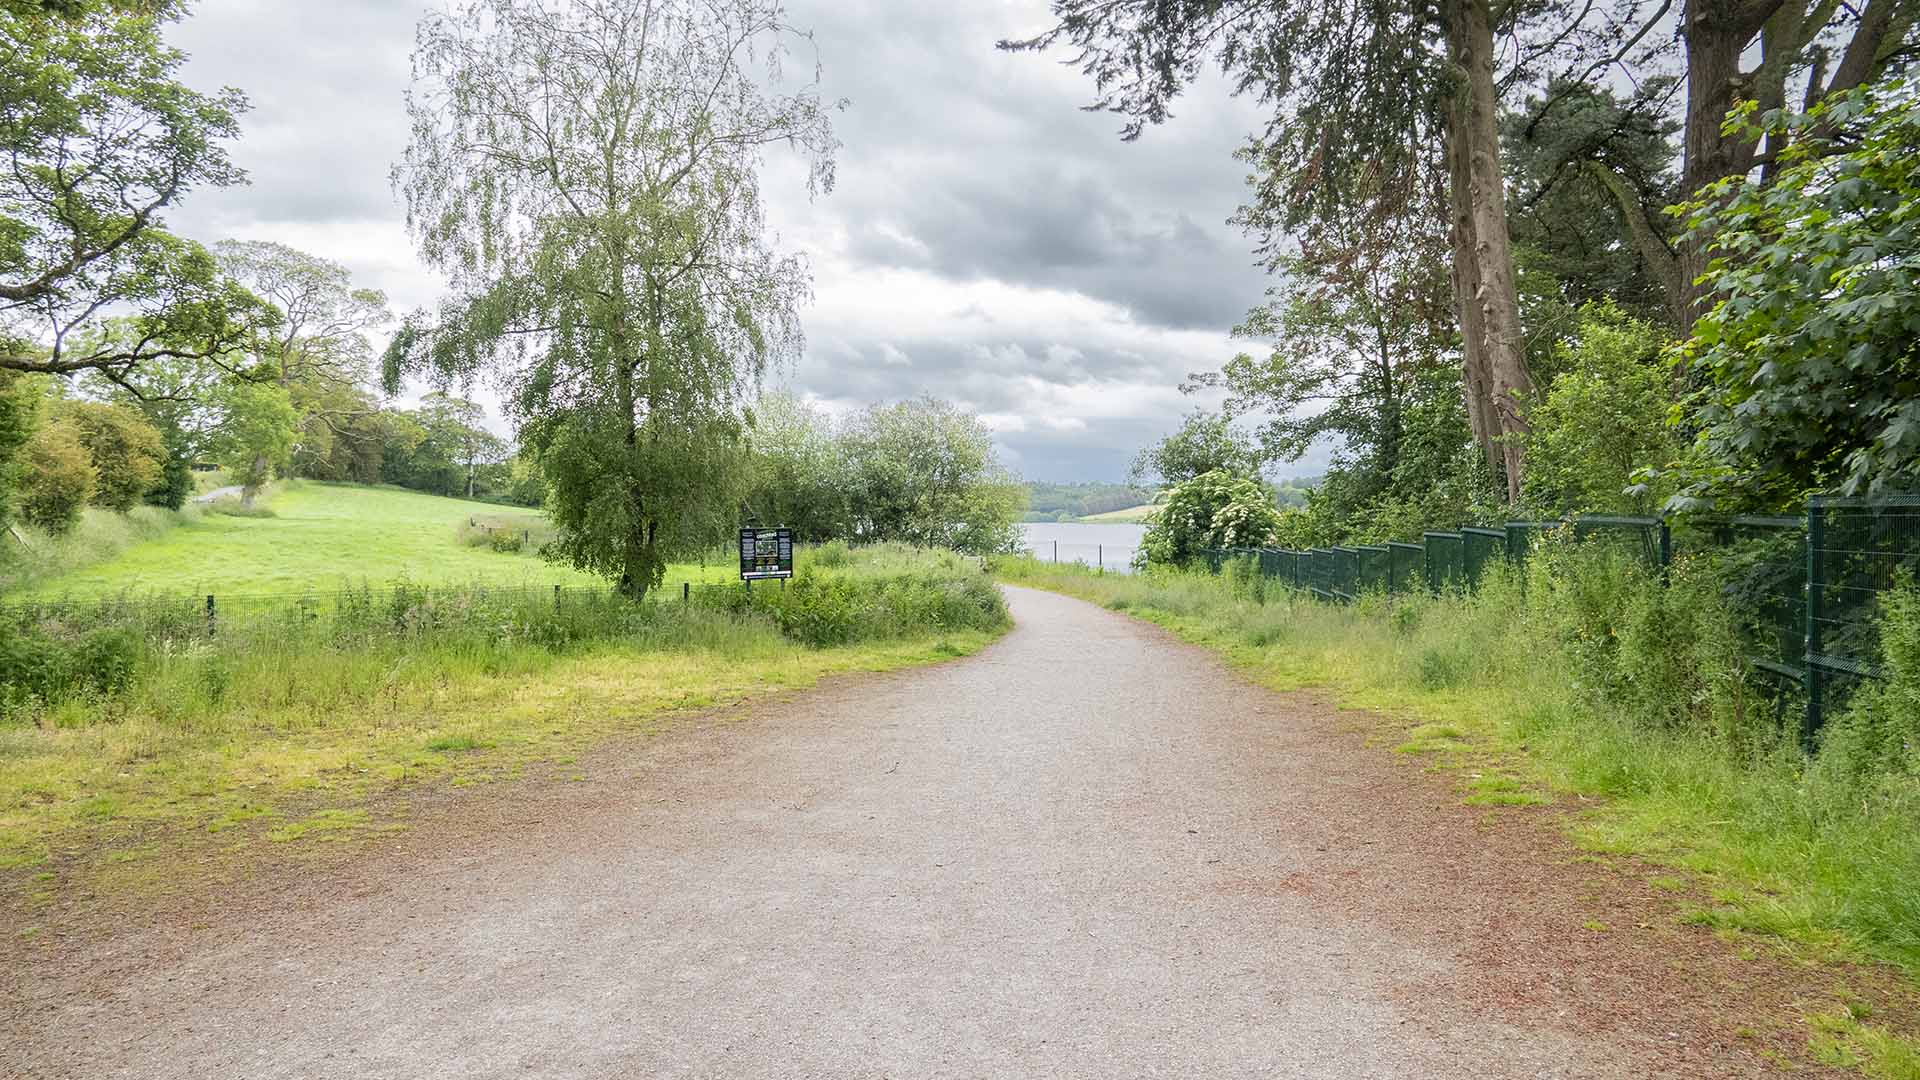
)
(1086, 851)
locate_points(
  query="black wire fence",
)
(1808, 588)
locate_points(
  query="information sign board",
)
(766, 553)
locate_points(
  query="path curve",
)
(1086, 851)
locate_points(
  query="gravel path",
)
(1087, 851)
(233, 490)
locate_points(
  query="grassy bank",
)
(1132, 514)
(1811, 852)
(130, 735)
(318, 537)
(31, 558)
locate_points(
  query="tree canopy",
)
(102, 140)
(586, 174)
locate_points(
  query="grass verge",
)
(1783, 847)
(287, 725)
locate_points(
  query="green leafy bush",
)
(1212, 511)
(827, 556)
(48, 667)
(1601, 421)
(506, 541)
(128, 455)
(1665, 656)
(1809, 359)
(1879, 734)
(820, 609)
(59, 478)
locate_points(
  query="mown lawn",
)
(323, 537)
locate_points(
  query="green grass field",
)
(1130, 514)
(323, 537)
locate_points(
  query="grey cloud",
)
(960, 163)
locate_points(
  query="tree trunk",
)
(1717, 34)
(255, 478)
(1494, 362)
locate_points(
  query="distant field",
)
(323, 537)
(1131, 513)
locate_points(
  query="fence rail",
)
(1808, 588)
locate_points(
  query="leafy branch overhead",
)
(101, 139)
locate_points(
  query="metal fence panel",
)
(1445, 564)
(1375, 567)
(1480, 548)
(1405, 566)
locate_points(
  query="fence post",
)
(1100, 555)
(686, 591)
(209, 614)
(556, 596)
(1056, 551)
(1816, 573)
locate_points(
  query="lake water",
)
(1108, 545)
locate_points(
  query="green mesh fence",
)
(1808, 591)
(1520, 536)
(1481, 548)
(1764, 563)
(1346, 573)
(1857, 550)
(1320, 573)
(1376, 564)
(1446, 560)
(1404, 565)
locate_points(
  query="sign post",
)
(766, 553)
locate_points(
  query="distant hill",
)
(1069, 502)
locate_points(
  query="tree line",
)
(1552, 257)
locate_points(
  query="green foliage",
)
(1361, 318)
(608, 486)
(102, 140)
(128, 455)
(629, 238)
(60, 664)
(19, 416)
(176, 476)
(1212, 511)
(801, 470)
(257, 428)
(1602, 420)
(1581, 178)
(823, 609)
(1066, 502)
(1879, 734)
(1205, 443)
(442, 446)
(924, 472)
(1810, 358)
(1668, 656)
(58, 478)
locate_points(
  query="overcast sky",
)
(987, 241)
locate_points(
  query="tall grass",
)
(122, 712)
(1598, 680)
(37, 556)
